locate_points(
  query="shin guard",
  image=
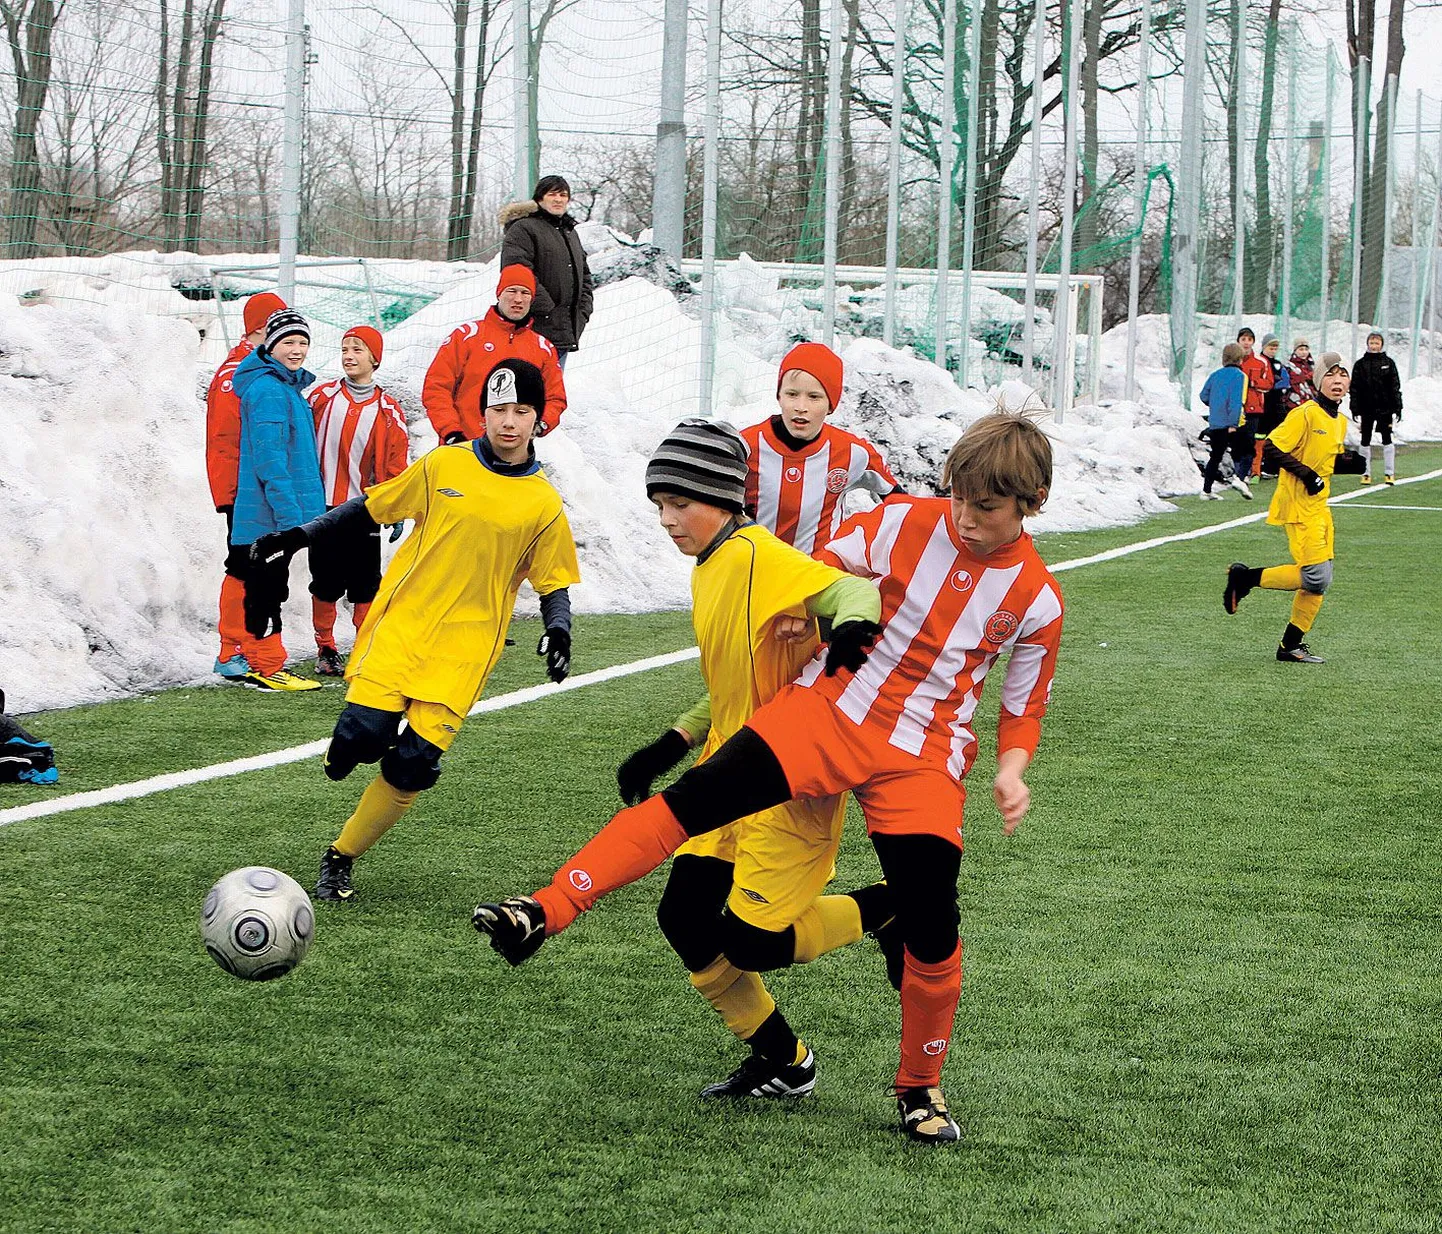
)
(929, 994)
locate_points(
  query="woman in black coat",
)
(541, 235)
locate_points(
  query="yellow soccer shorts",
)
(436, 722)
(1311, 541)
(784, 857)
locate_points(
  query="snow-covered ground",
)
(113, 550)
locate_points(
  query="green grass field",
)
(1200, 990)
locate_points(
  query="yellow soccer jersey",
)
(1314, 439)
(439, 621)
(736, 594)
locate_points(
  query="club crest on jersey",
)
(227, 385)
(793, 474)
(1000, 626)
(962, 581)
(490, 346)
(935, 1047)
(836, 480)
(580, 880)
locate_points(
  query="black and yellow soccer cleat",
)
(328, 663)
(761, 1077)
(924, 1116)
(281, 682)
(1237, 586)
(334, 881)
(517, 927)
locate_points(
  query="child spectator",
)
(1259, 380)
(451, 391)
(486, 520)
(1274, 406)
(222, 465)
(360, 435)
(1308, 446)
(278, 485)
(961, 584)
(1225, 395)
(1376, 402)
(800, 466)
(1300, 387)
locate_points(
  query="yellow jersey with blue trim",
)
(1314, 437)
(439, 621)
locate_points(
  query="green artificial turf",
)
(1200, 987)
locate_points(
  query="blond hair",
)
(1003, 454)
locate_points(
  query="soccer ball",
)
(257, 923)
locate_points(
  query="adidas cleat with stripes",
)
(760, 1077)
(924, 1116)
(516, 927)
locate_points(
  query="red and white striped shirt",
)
(947, 615)
(797, 493)
(360, 444)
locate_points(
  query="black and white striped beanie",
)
(282, 324)
(701, 459)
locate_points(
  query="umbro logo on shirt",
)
(449, 492)
(754, 896)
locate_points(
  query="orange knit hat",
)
(258, 309)
(371, 337)
(818, 360)
(516, 276)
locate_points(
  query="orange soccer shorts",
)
(823, 752)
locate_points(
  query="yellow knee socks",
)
(1282, 578)
(740, 998)
(827, 923)
(379, 809)
(1305, 606)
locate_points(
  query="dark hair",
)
(1247, 330)
(549, 184)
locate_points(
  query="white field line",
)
(517, 698)
(1368, 505)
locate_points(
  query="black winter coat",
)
(549, 247)
(1376, 385)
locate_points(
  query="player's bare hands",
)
(789, 629)
(1013, 799)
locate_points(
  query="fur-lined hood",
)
(516, 210)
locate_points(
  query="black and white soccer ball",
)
(257, 923)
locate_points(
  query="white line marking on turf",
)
(517, 698)
(313, 749)
(1369, 505)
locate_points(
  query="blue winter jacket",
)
(279, 483)
(1224, 394)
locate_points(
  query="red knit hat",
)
(517, 276)
(818, 360)
(371, 337)
(258, 309)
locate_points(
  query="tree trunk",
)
(197, 163)
(1258, 265)
(1086, 222)
(461, 21)
(1375, 224)
(462, 246)
(31, 56)
(812, 115)
(1234, 117)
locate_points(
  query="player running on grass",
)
(486, 518)
(960, 584)
(746, 898)
(1307, 450)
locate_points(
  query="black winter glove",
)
(453, 438)
(1313, 482)
(849, 645)
(225, 511)
(555, 645)
(634, 776)
(277, 547)
(396, 531)
(266, 589)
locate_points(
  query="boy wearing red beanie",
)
(799, 464)
(452, 389)
(222, 466)
(360, 436)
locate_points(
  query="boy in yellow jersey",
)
(746, 898)
(1306, 450)
(486, 518)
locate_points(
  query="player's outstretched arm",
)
(1013, 797)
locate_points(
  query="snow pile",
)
(114, 552)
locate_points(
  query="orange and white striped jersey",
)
(360, 444)
(947, 614)
(796, 494)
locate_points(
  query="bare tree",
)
(185, 73)
(29, 29)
